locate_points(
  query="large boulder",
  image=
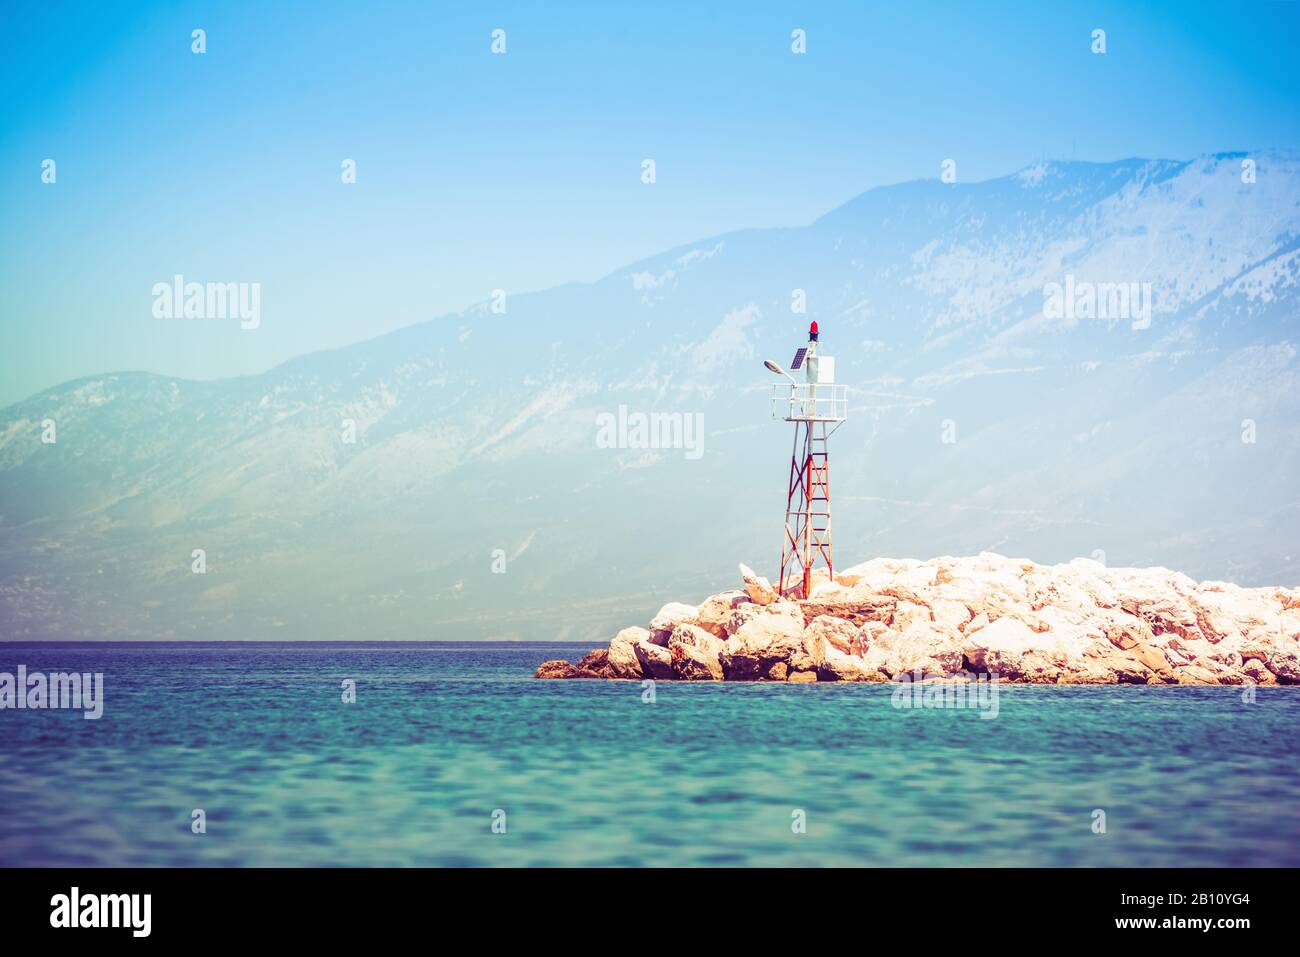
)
(1153, 658)
(908, 612)
(870, 632)
(1120, 665)
(1082, 584)
(1288, 623)
(694, 653)
(563, 669)
(1086, 672)
(1158, 596)
(623, 661)
(827, 589)
(837, 632)
(1224, 610)
(857, 607)
(923, 647)
(1011, 649)
(556, 668)
(715, 611)
(1285, 665)
(661, 625)
(758, 588)
(760, 643)
(838, 666)
(1257, 672)
(854, 574)
(1195, 675)
(1125, 630)
(740, 617)
(811, 652)
(595, 661)
(786, 606)
(888, 571)
(949, 613)
(656, 661)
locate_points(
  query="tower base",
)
(808, 508)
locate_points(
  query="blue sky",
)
(522, 171)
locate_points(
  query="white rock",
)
(655, 660)
(741, 617)
(758, 588)
(661, 625)
(828, 589)
(694, 653)
(623, 660)
(837, 666)
(760, 643)
(950, 613)
(716, 610)
(1286, 665)
(836, 632)
(1078, 622)
(923, 646)
(907, 612)
(1010, 648)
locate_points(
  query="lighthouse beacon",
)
(817, 406)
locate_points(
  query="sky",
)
(478, 171)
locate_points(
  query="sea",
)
(451, 754)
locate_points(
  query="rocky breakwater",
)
(887, 619)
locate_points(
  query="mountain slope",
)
(478, 432)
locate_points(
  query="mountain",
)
(986, 413)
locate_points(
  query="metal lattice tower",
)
(817, 407)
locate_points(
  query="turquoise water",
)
(588, 773)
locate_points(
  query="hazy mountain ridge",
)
(476, 432)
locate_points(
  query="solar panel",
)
(797, 362)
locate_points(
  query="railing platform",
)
(810, 402)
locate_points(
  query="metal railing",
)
(810, 402)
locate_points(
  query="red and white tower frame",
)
(817, 407)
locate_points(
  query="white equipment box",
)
(821, 370)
